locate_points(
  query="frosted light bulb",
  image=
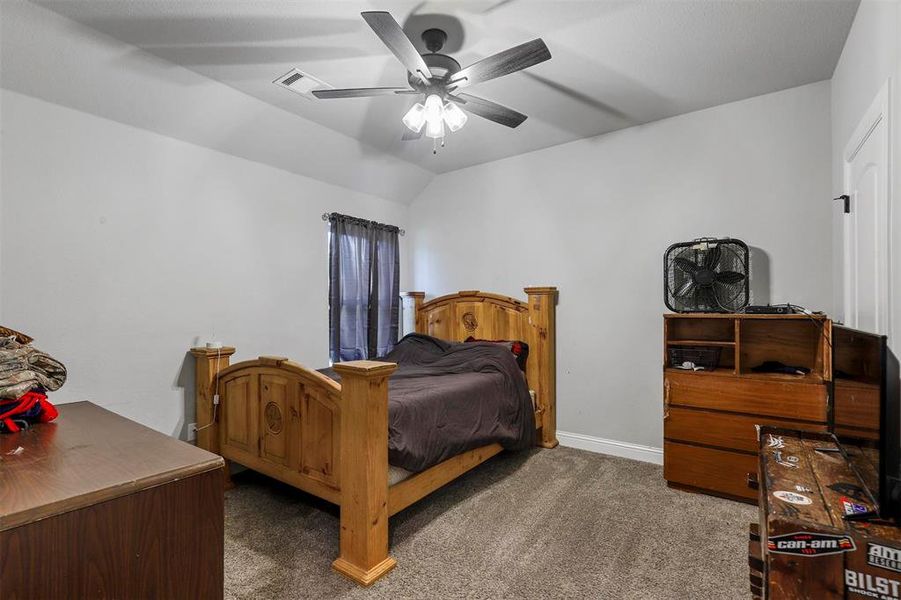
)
(454, 116)
(415, 117)
(434, 129)
(434, 108)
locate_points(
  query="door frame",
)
(878, 112)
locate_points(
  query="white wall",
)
(594, 217)
(122, 248)
(872, 55)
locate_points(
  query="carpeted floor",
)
(559, 523)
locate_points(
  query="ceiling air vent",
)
(301, 83)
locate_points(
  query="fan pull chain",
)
(435, 144)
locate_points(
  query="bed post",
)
(413, 301)
(543, 347)
(208, 362)
(363, 553)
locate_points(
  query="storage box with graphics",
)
(808, 550)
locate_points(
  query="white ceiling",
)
(615, 63)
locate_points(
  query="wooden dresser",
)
(802, 548)
(710, 439)
(93, 505)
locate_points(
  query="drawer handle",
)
(752, 481)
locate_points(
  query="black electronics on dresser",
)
(770, 309)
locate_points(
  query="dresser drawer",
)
(723, 429)
(720, 471)
(786, 399)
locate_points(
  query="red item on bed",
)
(519, 349)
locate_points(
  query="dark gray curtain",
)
(364, 288)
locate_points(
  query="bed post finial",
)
(413, 302)
(364, 471)
(208, 362)
(542, 363)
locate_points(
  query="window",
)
(364, 288)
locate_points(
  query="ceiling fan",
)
(438, 79)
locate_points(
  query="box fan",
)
(706, 275)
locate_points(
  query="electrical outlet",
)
(192, 432)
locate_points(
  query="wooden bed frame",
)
(331, 440)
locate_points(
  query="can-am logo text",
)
(804, 543)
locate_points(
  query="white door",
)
(866, 226)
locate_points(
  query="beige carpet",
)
(556, 523)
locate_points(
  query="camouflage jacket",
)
(23, 368)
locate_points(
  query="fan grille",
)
(707, 275)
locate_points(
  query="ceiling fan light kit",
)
(437, 77)
(434, 115)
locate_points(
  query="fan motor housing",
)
(442, 67)
(707, 275)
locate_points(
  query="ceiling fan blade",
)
(490, 110)
(361, 92)
(500, 64)
(391, 34)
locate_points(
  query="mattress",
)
(396, 474)
(447, 398)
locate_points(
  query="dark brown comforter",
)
(446, 398)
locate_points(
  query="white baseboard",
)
(611, 447)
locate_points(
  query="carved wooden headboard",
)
(494, 317)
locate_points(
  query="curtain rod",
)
(328, 216)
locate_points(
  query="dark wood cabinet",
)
(711, 416)
(96, 506)
(802, 548)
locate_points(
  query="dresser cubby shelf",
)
(749, 340)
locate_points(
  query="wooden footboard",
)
(274, 416)
(277, 417)
(292, 423)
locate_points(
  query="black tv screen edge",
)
(889, 435)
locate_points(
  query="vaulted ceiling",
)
(615, 63)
